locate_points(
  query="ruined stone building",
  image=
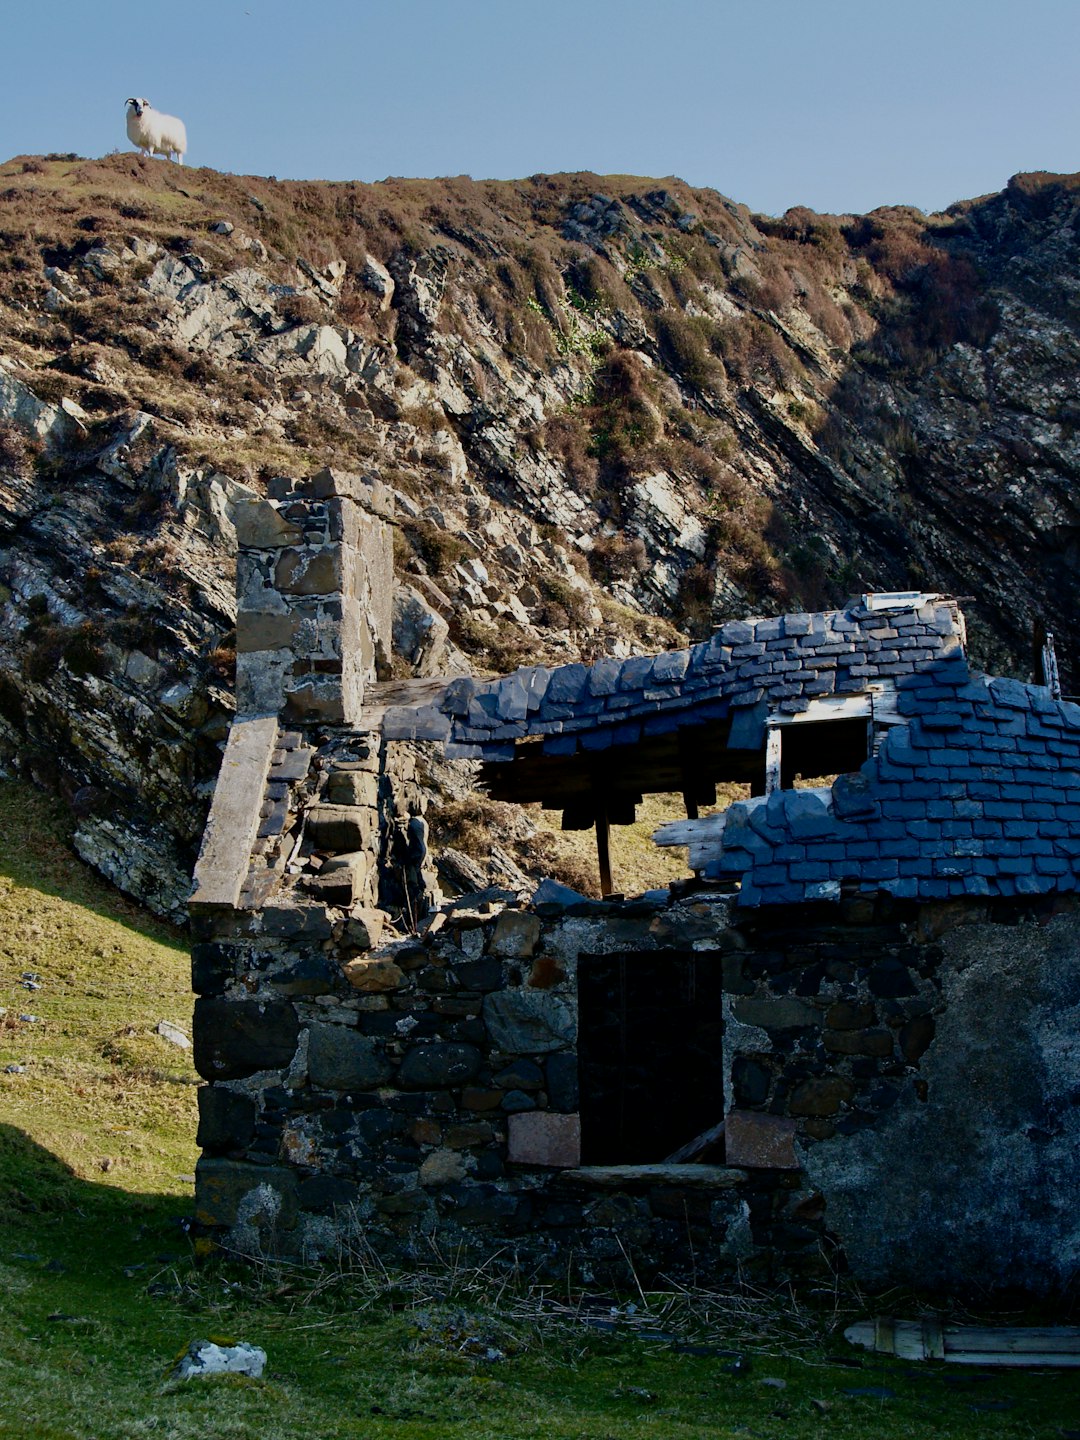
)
(851, 1039)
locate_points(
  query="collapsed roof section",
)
(977, 794)
(746, 671)
(591, 740)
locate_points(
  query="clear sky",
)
(836, 104)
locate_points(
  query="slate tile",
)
(555, 744)
(662, 724)
(800, 624)
(537, 678)
(459, 750)
(635, 672)
(670, 667)
(512, 699)
(804, 870)
(458, 696)
(905, 887)
(604, 677)
(566, 685)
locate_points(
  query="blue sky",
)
(836, 104)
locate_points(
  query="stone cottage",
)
(850, 1038)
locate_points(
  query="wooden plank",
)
(1001, 1346)
(878, 701)
(772, 759)
(1012, 1339)
(1015, 1359)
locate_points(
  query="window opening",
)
(830, 737)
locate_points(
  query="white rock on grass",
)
(203, 1357)
(173, 1034)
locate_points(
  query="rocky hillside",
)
(614, 411)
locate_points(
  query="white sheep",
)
(155, 133)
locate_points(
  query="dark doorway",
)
(650, 1027)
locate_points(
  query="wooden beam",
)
(603, 846)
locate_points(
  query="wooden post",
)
(1051, 676)
(686, 768)
(603, 845)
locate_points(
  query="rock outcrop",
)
(611, 413)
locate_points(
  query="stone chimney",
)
(314, 584)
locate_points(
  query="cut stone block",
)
(538, 1137)
(760, 1142)
(341, 828)
(343, 1059)
(235, 1038)
(310, 572)
(262, 630)
(261, 526)
(229, 1190)
(374, 974)
(235, 812)
(516, 934)
(364, 927)
(435, 1066)
(352, 787)
(528, 1022)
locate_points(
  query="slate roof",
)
(747, 667)
(979, 794)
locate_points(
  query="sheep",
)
(155, 133)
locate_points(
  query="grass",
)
(99, 1088)
(100, 1290)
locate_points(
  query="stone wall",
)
(430, 1086)
(314, 597)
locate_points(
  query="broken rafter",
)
(695, 1147)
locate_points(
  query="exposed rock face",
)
(606, 409)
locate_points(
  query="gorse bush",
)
(438, 549)
(684, 344)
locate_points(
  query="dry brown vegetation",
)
(667, 317)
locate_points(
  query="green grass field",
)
(99, 1289)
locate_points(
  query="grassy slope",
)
(101, 1090)
(98, 1289)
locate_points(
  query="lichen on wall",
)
(968, 1189)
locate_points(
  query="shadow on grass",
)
(48, 1212)
(37, 853)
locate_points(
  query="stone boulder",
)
(420, 633)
